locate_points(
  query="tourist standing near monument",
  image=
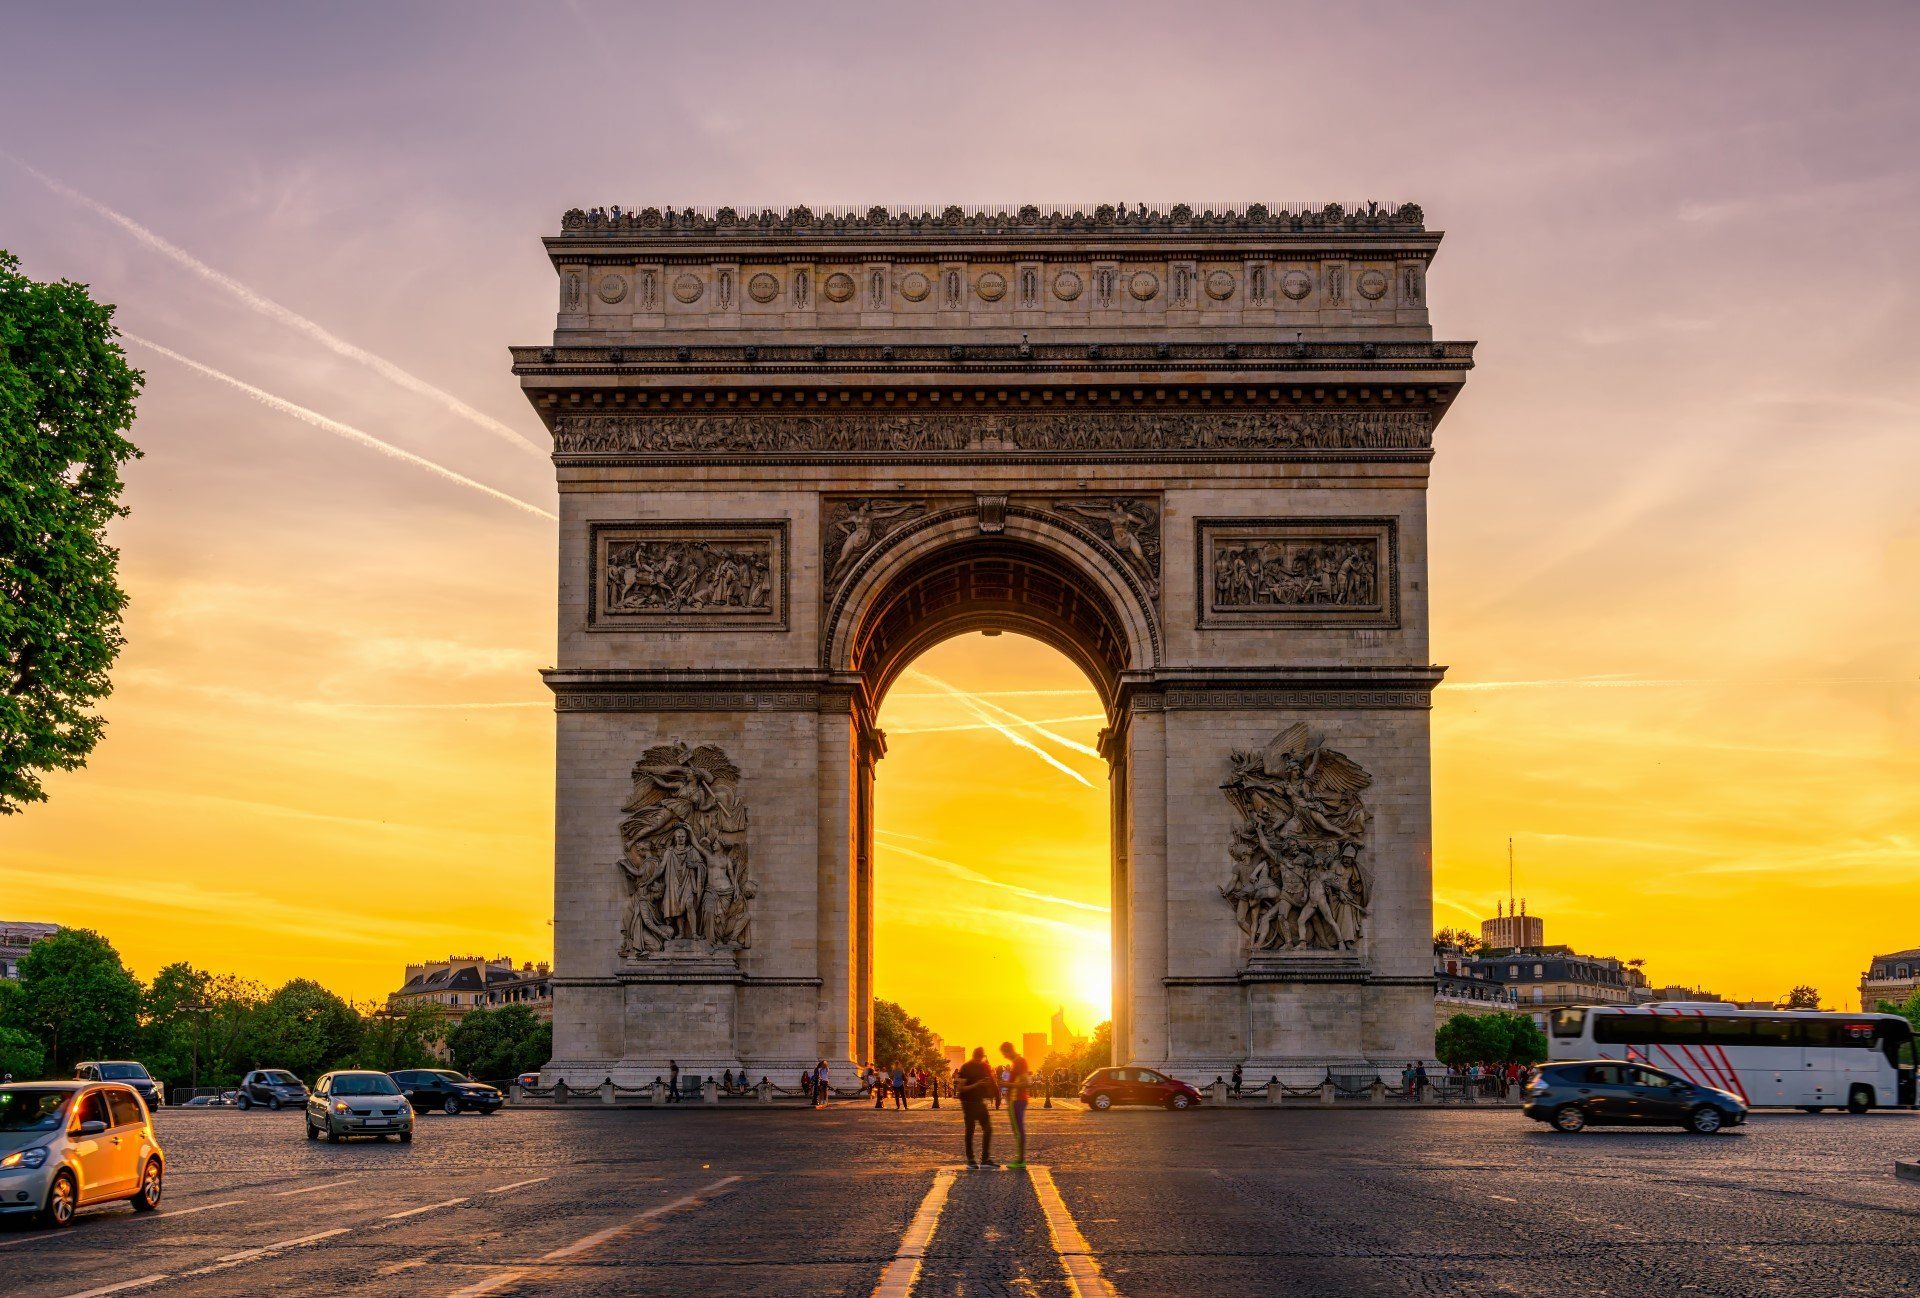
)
(1017, 1081)
(974, 1085)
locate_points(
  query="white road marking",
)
(1084, 1279)
(199, 1207)
(903, 1272)
(127, 1217)
(267, 1250)
(415, 1212)
(502, 1189)
(587, 1243)
(121, 1287)
(310, 1189)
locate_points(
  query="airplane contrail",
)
(965, 700)
(975, 699)
(335, 427)
(285, 315)
(1039, 723)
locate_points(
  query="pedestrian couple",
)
(978, 1089)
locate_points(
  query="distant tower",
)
(1512, 929)
(1062, 1038)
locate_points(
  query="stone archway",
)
(1190, 452)
(990, 565)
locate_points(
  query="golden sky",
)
(1675, 539)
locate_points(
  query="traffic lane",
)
(1311, 1203)
(356, 1239)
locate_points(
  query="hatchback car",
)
(1571, 1096)
(131, 1071)
(447, 1091)
(64, 1145)
(357, 1103)
(274, 1087)
(1107, 1087)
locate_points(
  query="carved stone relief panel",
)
(1129, 527)
(851, 527)
(683, 856)
(1266, 572)
(1300, 880)
(650, 575)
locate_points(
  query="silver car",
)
(64, 1145)
(358, 1103)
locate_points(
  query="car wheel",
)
(313, 1132)
(274, 1104)
(63, 1196)
(1570, 1118)
(1859, 1099)
(334, 1137)
(451, 1108)
(1704, 1121)
(1101, 1102)
(1179, 1102)
(147, 1197)
(406, 1137)
(245, 1101)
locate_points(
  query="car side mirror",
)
(92, 1127)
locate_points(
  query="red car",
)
(1107, 1087)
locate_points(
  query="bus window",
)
(1774, 1032)
(1569, 1023)
(1729, 1032)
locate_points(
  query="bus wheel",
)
(1813, 1108)
(1860, 1099)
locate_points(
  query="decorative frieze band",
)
(1255, 700)
(918, 433)
(687, 701)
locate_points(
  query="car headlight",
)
(340, 1106)
(35, 1157)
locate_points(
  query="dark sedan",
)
(274, 1087)
(447, 1091)
(129, 1071)
(1573, 1096)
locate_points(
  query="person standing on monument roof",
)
(974, 1085)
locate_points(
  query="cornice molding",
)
(961, 220)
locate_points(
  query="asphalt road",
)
(850, 1201)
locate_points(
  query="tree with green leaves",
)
(78, 998)
(1909, 1008)
(22, 1057)
(1802, 997)
(66, 401)
(191, 1023)
(1503, 1037)
(901, 1038)
(402, 1036)
(500, 1043)
(303, 1028)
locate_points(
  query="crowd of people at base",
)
(1415, 1081)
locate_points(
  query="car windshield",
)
(279, 1079)
(22, 1110)
(123, 1072)
(365, 1084)
(450, 1076)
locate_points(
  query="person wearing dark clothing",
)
(673, 1082)
(975, 1086)
(1236, 1079)
(899, 1081)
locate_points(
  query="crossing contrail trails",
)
(335, 427)
(966, 701)
(285, 315)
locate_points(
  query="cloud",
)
(339, 429)
(292, 319)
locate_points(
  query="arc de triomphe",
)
(1187, 449)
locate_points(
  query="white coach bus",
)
(1807, 1059)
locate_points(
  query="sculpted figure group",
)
(684, 842)
(674, 576)
(1282, 574)
(1300, 880)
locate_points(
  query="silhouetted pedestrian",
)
(673, 1081)
(975, 1086)
(899, 1083)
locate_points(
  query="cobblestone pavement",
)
(793, 1203)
